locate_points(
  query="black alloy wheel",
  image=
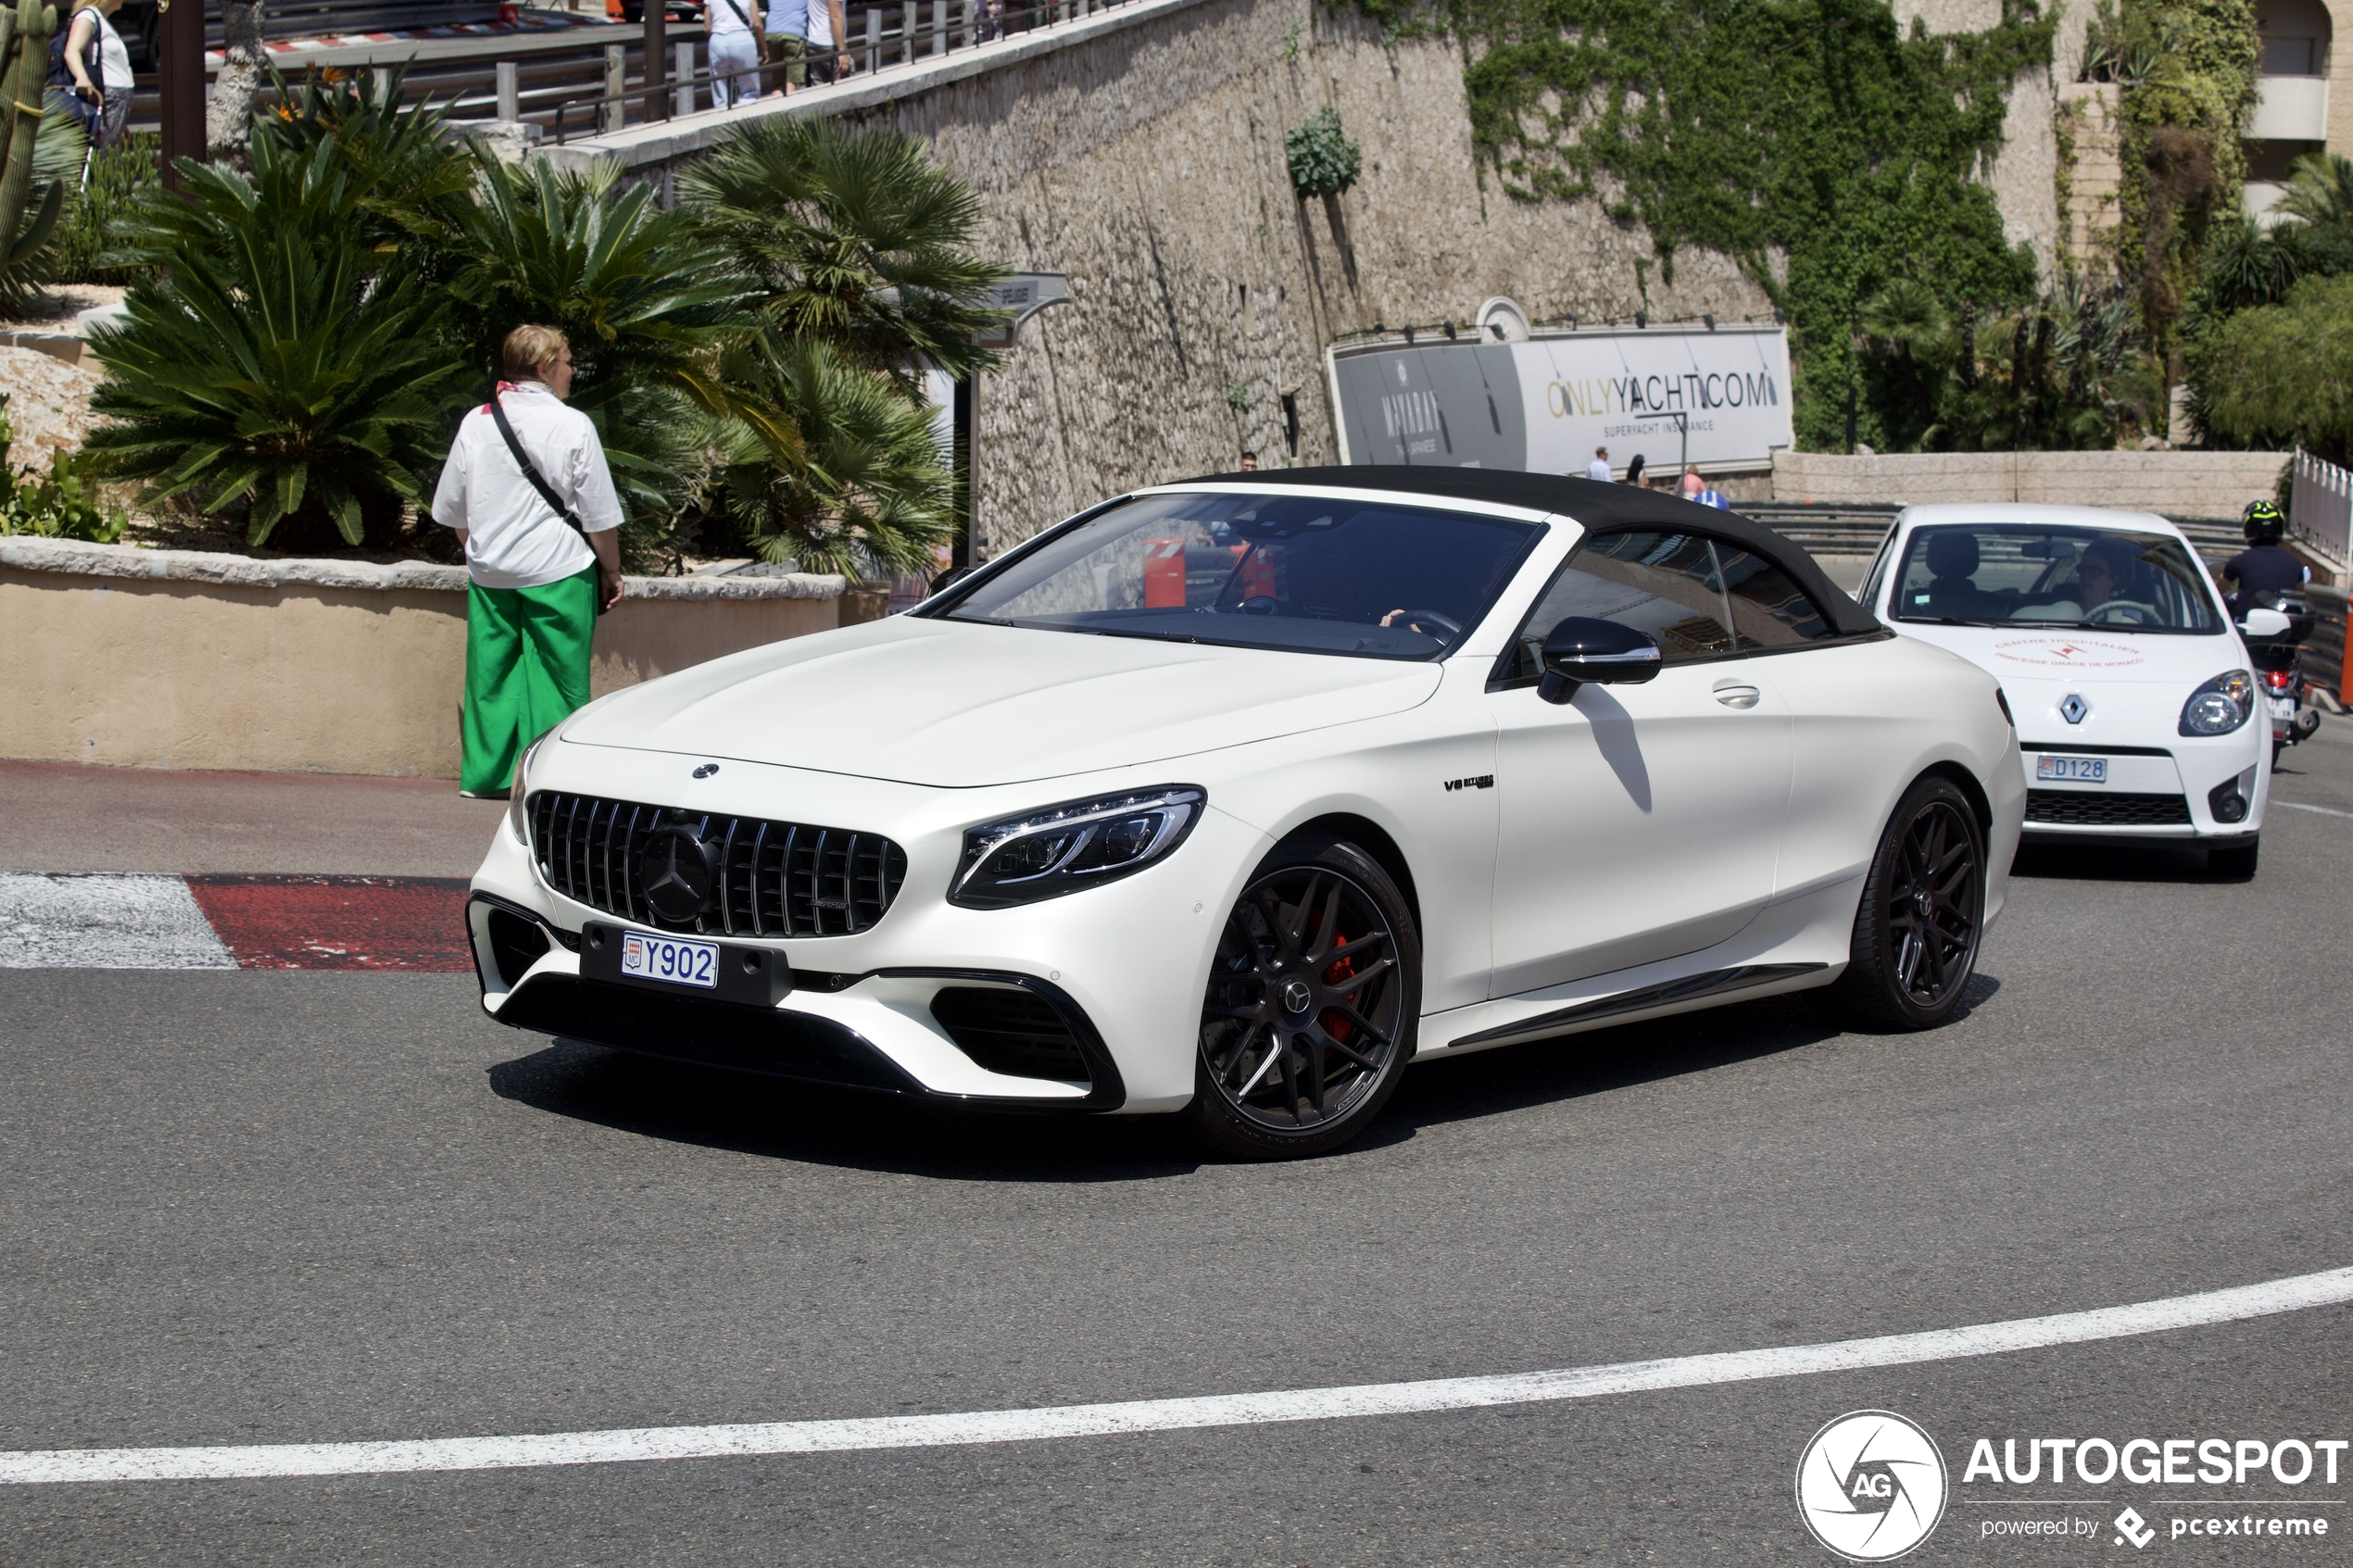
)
(1308, 1020)
(1921, 916)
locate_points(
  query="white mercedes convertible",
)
(1235, 795)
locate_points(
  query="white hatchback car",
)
(1241, 794)
(2133, 692)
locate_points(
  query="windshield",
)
(2022, 574)
(1306, 574)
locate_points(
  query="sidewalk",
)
(69, 816)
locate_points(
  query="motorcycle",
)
(2274, 627)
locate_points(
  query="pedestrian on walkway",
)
(1598, 469)
(98, 65)
(827, 27)
(1634, 469)
(738, 48)
(788, 41)
(529, 497)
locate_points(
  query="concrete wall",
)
(2175, 483)
(1140, 151)
(152, 670)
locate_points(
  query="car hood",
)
(2147, 678)
(2016, 655)
(956, 705)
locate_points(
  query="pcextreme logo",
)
(1870, 1486)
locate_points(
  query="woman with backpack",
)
(89, 63)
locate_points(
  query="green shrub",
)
(115, 180)
(1323, 161)
(2283, 373)
(269, 364)
(63, 505)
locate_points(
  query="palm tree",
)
(2320, 189)
(858, 240)
(863, 487)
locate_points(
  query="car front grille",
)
(2067, 807)
(772, 879)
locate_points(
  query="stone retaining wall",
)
(179, 660)
(2174, 483)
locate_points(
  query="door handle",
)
(1734, 696)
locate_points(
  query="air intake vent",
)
(1011, 1032)
(767, 879)
(2073, 809)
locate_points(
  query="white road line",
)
(2323, 810)
(73, 920)
(2331, 1288)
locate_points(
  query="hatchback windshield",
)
(2011, 574)
(1308, 573)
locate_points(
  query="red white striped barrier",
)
(55, 920)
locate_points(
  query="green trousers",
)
(526, 670)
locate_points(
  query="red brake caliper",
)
(1342, 967)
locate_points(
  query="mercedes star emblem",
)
(674, 871)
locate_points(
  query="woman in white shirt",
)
(538, 577)
(111, 91)
(738, 47)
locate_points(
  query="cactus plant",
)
(24, 69)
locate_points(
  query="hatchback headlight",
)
(1064, 848)
(2219, 705)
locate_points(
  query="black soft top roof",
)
(1588, 502)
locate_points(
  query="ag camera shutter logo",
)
(1870, 1486)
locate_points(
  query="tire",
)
(1922, 917)
(2236, 863)
(1284, 1070)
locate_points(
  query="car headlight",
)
(2219, 705)
(1069, 848)
(518, 813)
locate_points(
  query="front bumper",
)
(830, 1038)
(1111, 978)
(2181, 792)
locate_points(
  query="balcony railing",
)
(2290, 108)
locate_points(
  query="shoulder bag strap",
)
(531, 469)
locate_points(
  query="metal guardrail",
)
(2320, 511)
(893, 35)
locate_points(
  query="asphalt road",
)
(262, 1207)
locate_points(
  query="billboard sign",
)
(1546, 404)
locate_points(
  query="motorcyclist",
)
(2264, 568)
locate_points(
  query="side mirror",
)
(947, 580)
(1583, 649)
(2262, 625)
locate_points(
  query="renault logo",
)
(674, 871)
(2074, 710)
